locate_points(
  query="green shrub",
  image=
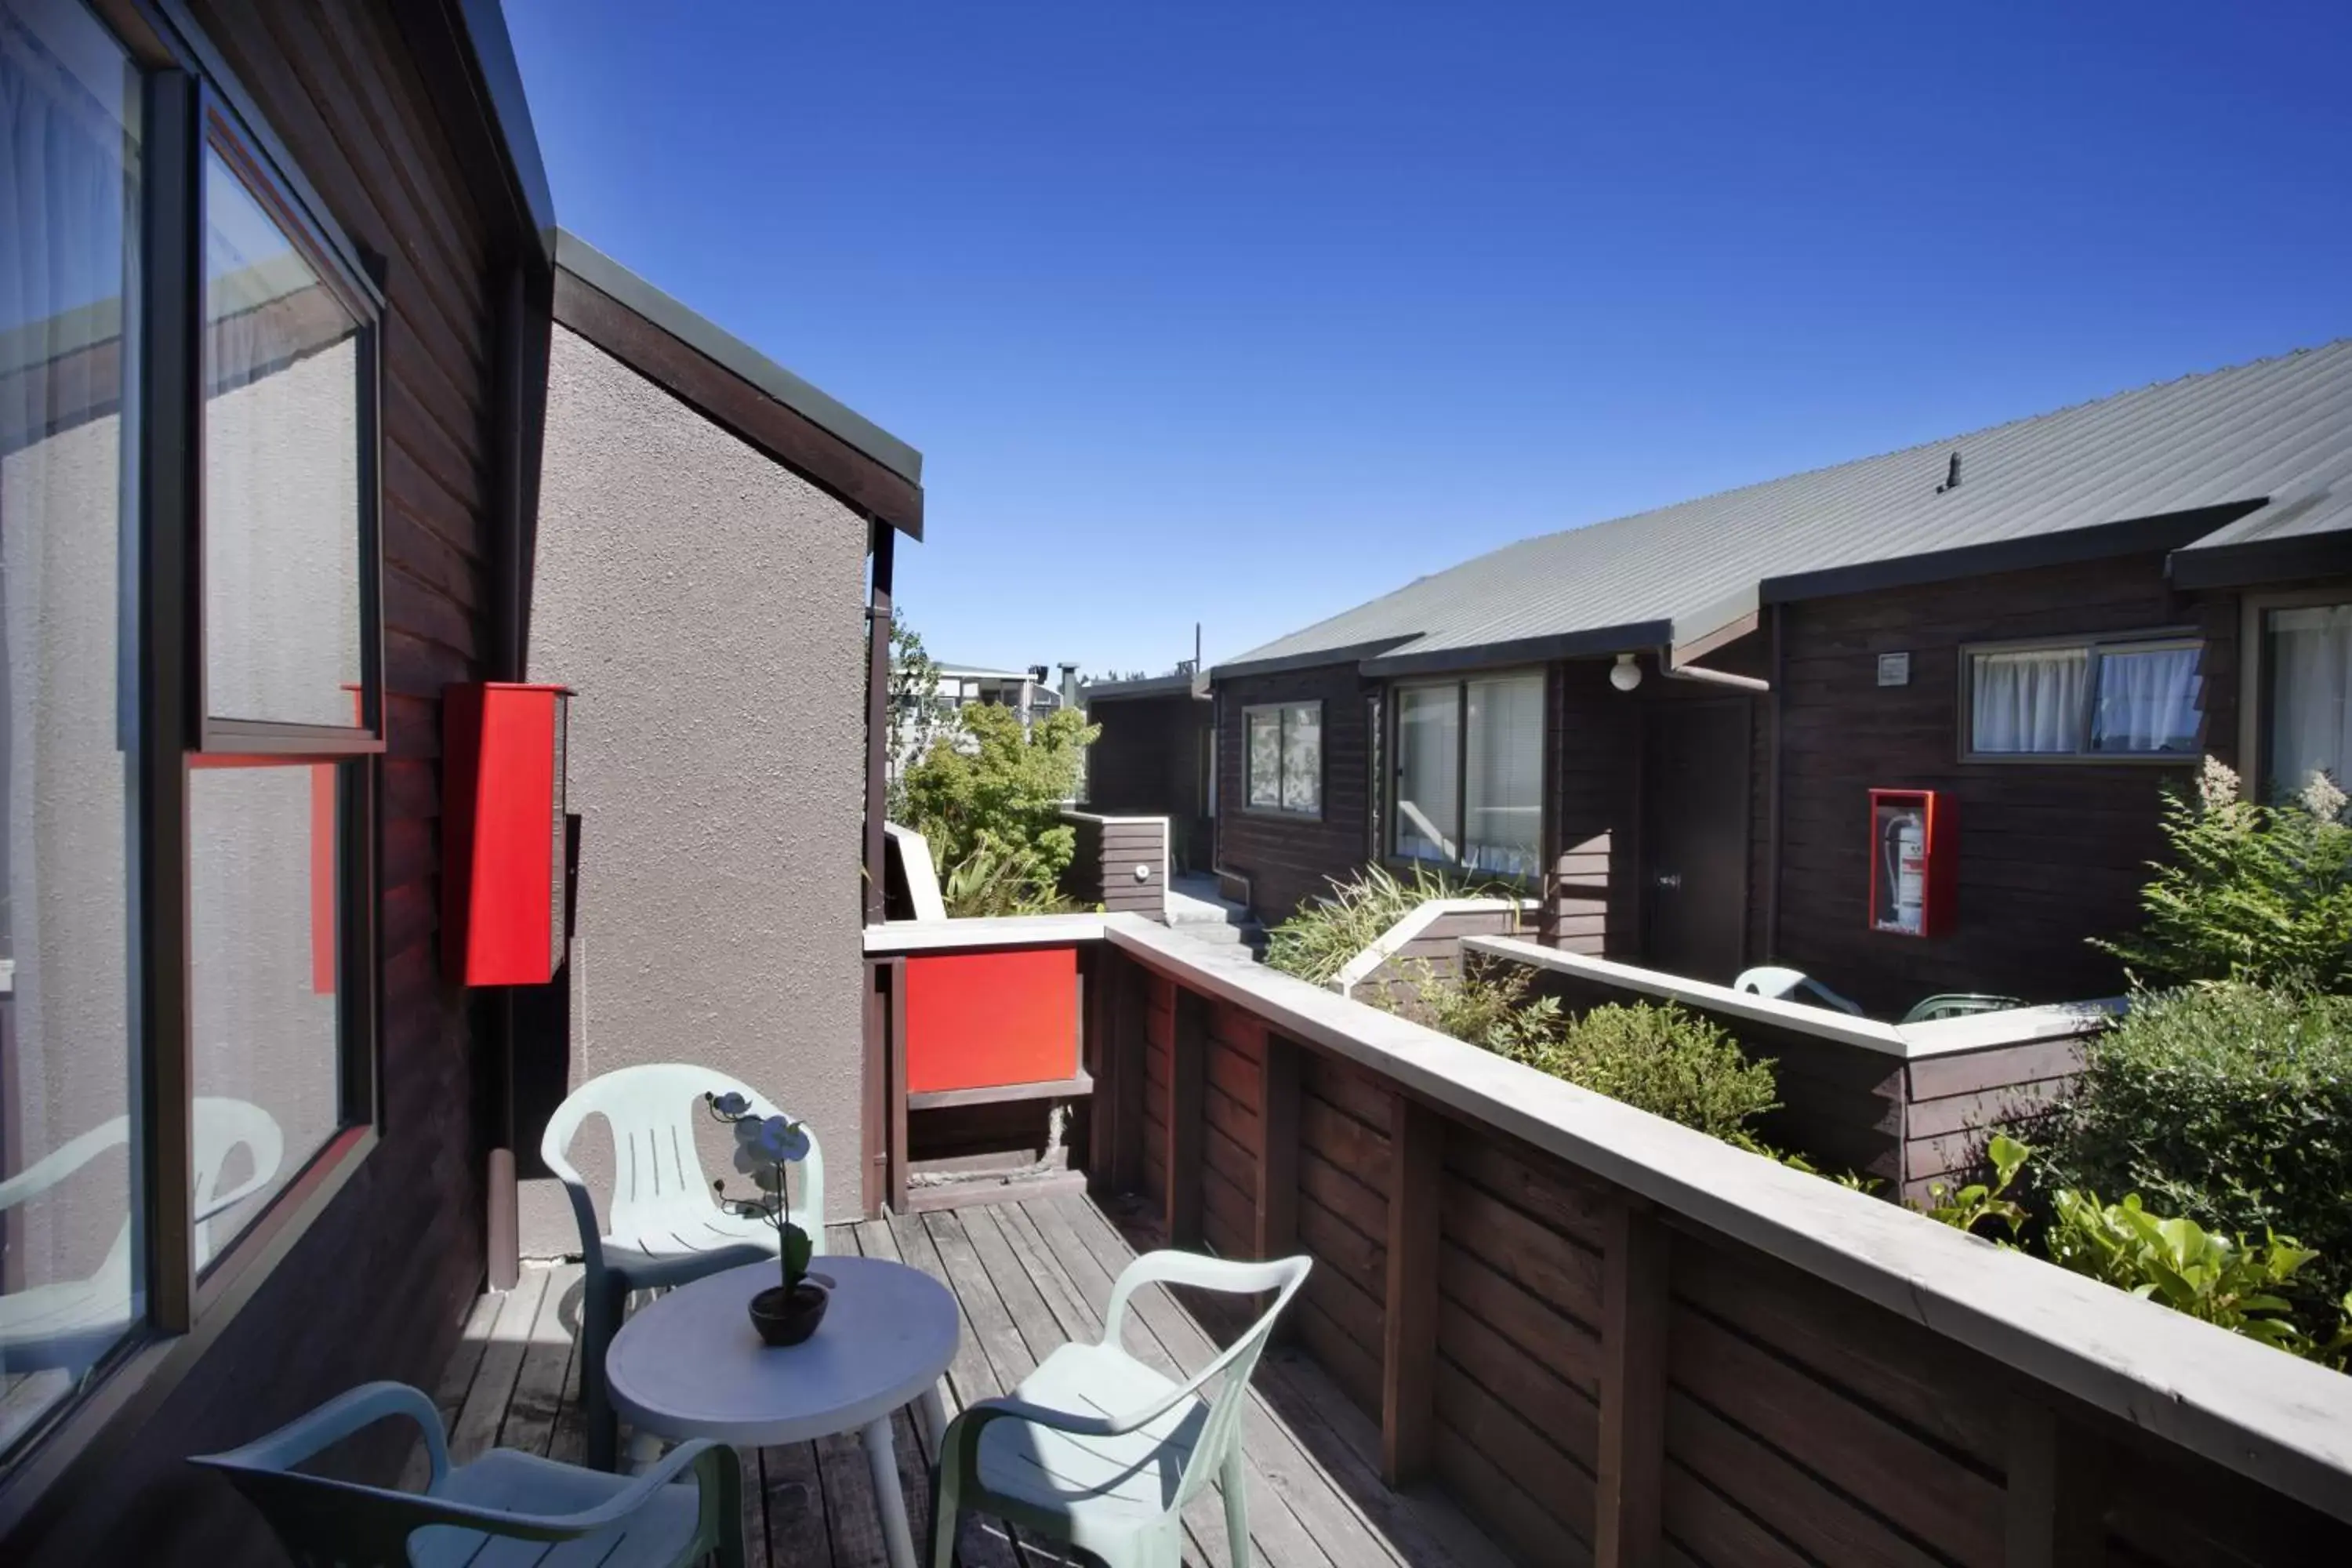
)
(1000, 878)
(1664, 1061)
(2228, 1105)
(1982, 1202)
(2258, 893)
(1316, 942)
(2181, 1264)
(1007, 789)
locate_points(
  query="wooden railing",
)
(1618, 1340)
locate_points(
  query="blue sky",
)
(1245, 314)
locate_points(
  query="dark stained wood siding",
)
(1148, 761)
(2050, 853)
(379, 1286)
(1289, 859)
(1103, 870)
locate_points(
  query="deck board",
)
(1026, 1277)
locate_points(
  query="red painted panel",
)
(502, 829)
(976, 1020)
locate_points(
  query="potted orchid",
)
(765, 1146)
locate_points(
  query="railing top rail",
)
(898, 938)
(2284, 1422)
(1416, 921)
(1912, 1042)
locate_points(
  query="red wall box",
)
(990, 1020)
(1914, 862)
(502, 832)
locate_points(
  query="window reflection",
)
(263, 985)
(283, 508)
(69, 1274)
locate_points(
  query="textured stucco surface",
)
(707, 605)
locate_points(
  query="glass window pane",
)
(70, 1282)
(1302, 758)
(1506, 776)
(282, 434)
(2147, 700)
(263, 929)
(1428, 768)
(1264, 762)
(2028, 702)
(2309, 720)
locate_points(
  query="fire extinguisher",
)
(1905, 849)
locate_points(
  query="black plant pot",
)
(787, 1316)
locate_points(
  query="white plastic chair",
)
(71, 1322)
(1096, 1449)
(1784, 986)
(685, 1508)
(666, 1228)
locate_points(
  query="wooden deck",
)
(1027, 1276)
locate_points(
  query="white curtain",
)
(1302, 758)
(1504, 834)
(2311, 696)
(1428, 738)
(2147, 700)
(2030, 701)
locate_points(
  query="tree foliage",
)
(1316, 942)
(916, 716)
(2255, 893)
(996, 789)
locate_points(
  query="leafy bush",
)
(1005, 790)
(2257, 893)
(1001, 879)
(1664, 1061)
(2183, 1266)
(1316, 942)
(1978, 1202)
(2228, 1105)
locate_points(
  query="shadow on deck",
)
(1027, 1276)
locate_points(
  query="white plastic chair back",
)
(1783, 984)
(659, 1180)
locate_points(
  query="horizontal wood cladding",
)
(1289, 859)
(1436, 954)
(1103, 870)
(2050, 853)
(1790, 1421)
(379, 1286)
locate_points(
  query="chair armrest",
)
(337, 1418)
(1224, 1275)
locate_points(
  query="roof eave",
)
(1629, 637)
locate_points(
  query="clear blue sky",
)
(1248, 313)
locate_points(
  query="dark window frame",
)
(1282, 765)
(191, 100)
(2094, 646)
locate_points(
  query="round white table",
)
(689, 1365)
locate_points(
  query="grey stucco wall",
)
(707, 605)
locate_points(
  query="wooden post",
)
(2055, 1498)
(1633, 1309)
(1276, 1218)
(874, 1125)
(894, 1009)
(1130, 1027)
(1409, 1318)
(1188, 1067)
(1098, 975)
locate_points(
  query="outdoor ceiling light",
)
(1627, 675)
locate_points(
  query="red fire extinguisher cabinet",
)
(502, 832)
(1914, 862)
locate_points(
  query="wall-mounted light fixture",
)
(1627, 675)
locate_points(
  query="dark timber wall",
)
(2050, 853)
(1109, 851)
(1147, 762)
(377, 1286)
(1291, 859)
(1522, 1328)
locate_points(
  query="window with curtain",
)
(2085, 699)
(74, 1284)
(1469, 774)
(2307, 714)
(1282, 762)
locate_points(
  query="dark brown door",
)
(1695, 836)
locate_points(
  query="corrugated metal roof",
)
(2278, 427)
